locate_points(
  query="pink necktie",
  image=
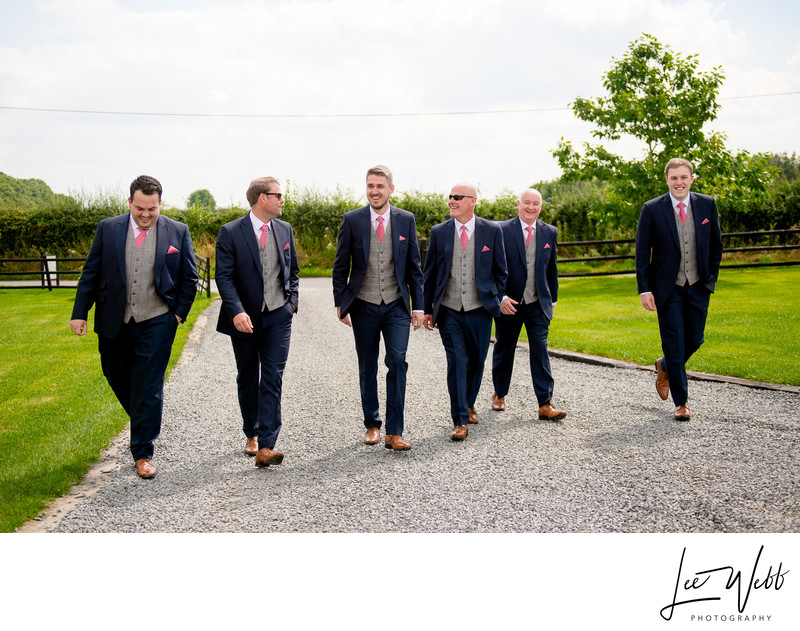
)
(530, 236)
(682, 212)
(264, 231)
(140, 238)
(464, 237)
(379, 230)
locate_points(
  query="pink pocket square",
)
(705, 221)
(485, 249)
(172, 250)
(286, 247)
(546, 246)
(402, 238)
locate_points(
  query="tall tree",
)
(201, 197)
(660, 98)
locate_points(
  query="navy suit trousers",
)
(465, 336)
(134, 362)
(507, 329)
(369, 322)
(260, 362)
(681, 322)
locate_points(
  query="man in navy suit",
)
(678, 252)
(376, 280)
(463, 283)
(141, 276)
(257, 279)
(531, 294)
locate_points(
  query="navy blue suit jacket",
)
(545, 265)
(658, 252)
(239, 276)
(352, 256)
(491, 272)
(103, 280)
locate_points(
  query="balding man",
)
(532, 292)
(464, 280)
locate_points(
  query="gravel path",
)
(618, 463)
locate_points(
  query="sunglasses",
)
(458, 198)
(278, 195)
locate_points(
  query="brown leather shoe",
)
(373, 436)
(251, 446)
(662, 382)
(460, 432)
(266, 457)
(145, 468)
(682, 413)
(473, 416)
(498, 403)
(548, 413)
(393, 441)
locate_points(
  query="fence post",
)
(46, 273)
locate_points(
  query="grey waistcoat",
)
(688, 241)
(143, 302)
(380, 281)
(461, 291)
(274, 296)
(530, 295)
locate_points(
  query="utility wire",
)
(384, 115)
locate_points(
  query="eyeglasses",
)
(458, 198)
(278, 195)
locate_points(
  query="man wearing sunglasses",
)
(376, 280)
(257, 279)
(463, 283)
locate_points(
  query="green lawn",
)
(753, 327)
(57, 412)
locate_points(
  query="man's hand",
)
(427, 321)
(648, 302)
(507, 306)
(417, 319)
(78, 327)
(243, 323)
(344, 320)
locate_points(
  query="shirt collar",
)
(525, 226)
(470, 225)
(257, 223)
(136, 228)
(676, 201)
(374, 216)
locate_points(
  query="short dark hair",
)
(258, 186)
(383, 170)
(147, 184)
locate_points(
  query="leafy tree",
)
(26, 194)
(203, 198)
(660, 98)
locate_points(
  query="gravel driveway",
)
(617, 463)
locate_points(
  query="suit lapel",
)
(447, 247)
(249, 236)
(120, 236)
(395, 221)
(281, 239)
(669, 215)
(479, 237)
(162, 241)
(365, 221)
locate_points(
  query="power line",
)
(382, 115)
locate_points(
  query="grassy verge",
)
(752, 330)
(57, 412)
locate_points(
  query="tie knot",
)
(265, 228)
(529, 229)
(380, 219)
(681, 205)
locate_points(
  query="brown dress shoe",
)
(662, 382)
(473, 416)
(145, 468)
(682, 413)
(266, 457)
(460, 432)
(251, 446)
(548, 413)
(373, 436)
(498, 403)
(393, 441)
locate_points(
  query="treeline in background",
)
(35, 221)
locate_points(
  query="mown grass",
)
(753, 327)
(57, 412)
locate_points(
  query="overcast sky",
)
(325, 63)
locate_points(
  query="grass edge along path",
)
(752, 331)
(57, 413)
